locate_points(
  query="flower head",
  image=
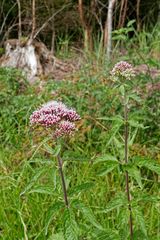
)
(57, 116)
(123, 69)
(65, 128)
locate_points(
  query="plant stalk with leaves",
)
(126, 162)
(56, 117)
(123, 71)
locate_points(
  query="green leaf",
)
(87, 213)
(138, 215)
(139, 235)
(108, 167)
(51, 213)
(104, 158)
(119, 37)
(118, 201)
(34, 179)
(145, 197)
(123, 216)
(132, 138)
(122, 90)
(130, 23)
(135, 98)
(114, 131)
(71, 227)
(107, 234)
(134, 123)
(82, 187)
(148, 163)
(58, 236)
(118, 143)
(42, 189)
(117, 118)
(54, 151)
(134, 172)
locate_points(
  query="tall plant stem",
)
(60, 164)
(127, 177)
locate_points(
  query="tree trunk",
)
(108, 29)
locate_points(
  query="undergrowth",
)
(30, 186)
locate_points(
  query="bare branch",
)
(33, 19)
(49, 19)
(4, 21)
(19, 20)
(137, 13)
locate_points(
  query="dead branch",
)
(19, 20)
(123, 11)
(49, 19)
(33, 22)
(137, 13)
(81, 14)
(4, 21)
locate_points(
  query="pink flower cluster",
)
(123, 69)
(57, 116)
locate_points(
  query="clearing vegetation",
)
(80, 129)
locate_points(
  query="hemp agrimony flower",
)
(121, 72)
(124, 70)
(57, 116)
(60, 119)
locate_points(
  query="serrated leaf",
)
(140, 220)
(119, 144)
(115, 118)
(108, 234)
(51, 213)
(80, 188)
(58, 236)
(38, 174)
(104, 158)
(114, 131)
(87, 213)
(71, 227)
(139, 235)
(134, 123)
(123, 216)
(42, 189)
(132, 138)
(135, 98)
(108, 167)
(116, 202)
(148, 163)
(147, 198)
(134, 172)
(54, 151)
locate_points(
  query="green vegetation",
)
(31, 199)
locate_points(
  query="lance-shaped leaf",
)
(109, 164)
(118, 201)
(148, 163)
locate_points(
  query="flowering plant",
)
(60, 119)
(123, 70)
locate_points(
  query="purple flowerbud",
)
(65, 128)
(72, 116)
(123, 69)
